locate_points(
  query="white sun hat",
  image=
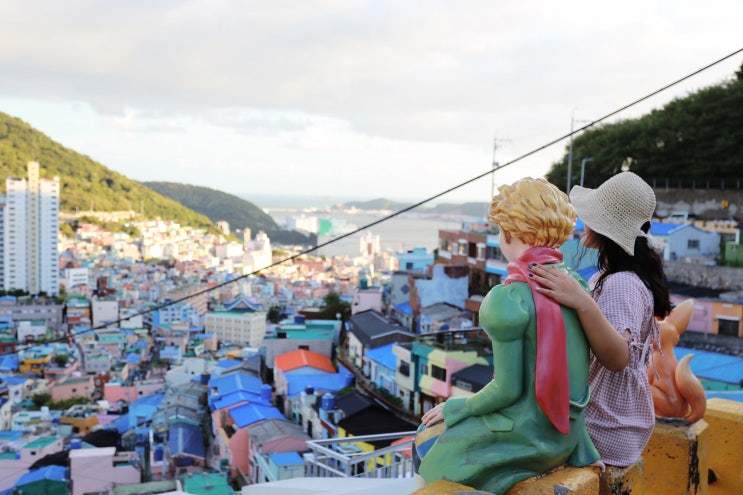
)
(617, 208)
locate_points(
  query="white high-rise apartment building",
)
(30, 229)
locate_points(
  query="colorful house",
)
(273, 436)
(82, 418)
(370, 329)
(48, 480)
(240, 419)
(319, 336)
(379, 368)
(185, 447)
(299, 362)
(96, 470)
(72, 387)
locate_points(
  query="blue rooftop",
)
(54, 473)
(404, 308)
(285, 458)
(132, 358)
(234, 382)
(235, 398)
(383, 355)
(9, 362)
(712, 366)
(185, 439)
(229, 363)
(332, 382)
(15, 380)
(251, 413)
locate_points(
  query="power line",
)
(404, 210)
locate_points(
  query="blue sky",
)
(396, 99)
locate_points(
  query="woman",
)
(530, 417)
(628, 293)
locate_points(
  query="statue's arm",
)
(505, 314)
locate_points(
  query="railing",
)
(342, 458)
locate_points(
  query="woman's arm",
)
(608, 345)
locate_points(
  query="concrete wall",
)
(713, 277)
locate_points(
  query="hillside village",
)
(180, 360)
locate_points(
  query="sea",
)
(399, 233)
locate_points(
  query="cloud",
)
(421, 86)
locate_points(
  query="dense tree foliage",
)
(85, 183)
(698, 137)
(334, 306)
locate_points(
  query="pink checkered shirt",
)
(620, 416)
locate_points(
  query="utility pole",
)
(570, 152)
(496, 165)
(570, 148)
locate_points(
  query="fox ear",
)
(680, 317)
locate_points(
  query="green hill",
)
(696, 138)
(85, 183)
(237, 212)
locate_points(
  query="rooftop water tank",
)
(158, 453)
(328, 402)
(266, 392)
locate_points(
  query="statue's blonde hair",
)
(534, 212)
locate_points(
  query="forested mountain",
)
(85, 183)
(697, 137)
(237, 212)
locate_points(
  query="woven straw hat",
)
(617, 208)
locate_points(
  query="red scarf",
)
(552, 386)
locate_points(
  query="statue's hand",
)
(433, 415)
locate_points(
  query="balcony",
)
(341, 457)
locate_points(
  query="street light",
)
(570, 148)
(583, 168)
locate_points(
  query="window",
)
(728, 326)
(404, 368)
(480, 252)
(692, 244)
(438, 373)
(464, 386)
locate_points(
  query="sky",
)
(369, 99)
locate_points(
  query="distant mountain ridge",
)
(237, 212)
(472, 209)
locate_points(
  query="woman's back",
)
(620, 416)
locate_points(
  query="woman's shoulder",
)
(626, 280)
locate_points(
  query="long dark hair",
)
(646, 264)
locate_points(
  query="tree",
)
(61, 360)
(335, 306)
(274, 314)
(41, 399)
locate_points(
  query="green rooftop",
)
(207, 484)
(41, 442)
(148, 487)
(293, 332)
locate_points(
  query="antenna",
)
(496, 165)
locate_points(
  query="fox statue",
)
(677, 392)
